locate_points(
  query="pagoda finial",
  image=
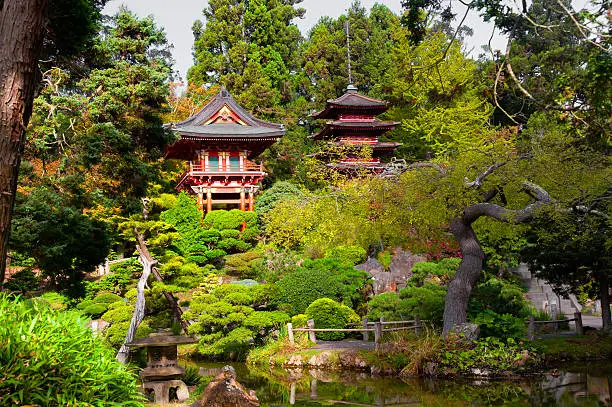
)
(351, 86)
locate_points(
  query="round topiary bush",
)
(328, 313)
(299, 289)
(51, 358)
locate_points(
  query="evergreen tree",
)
(250, 47)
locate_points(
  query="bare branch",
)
(479, 179)
(513, 216)
(582, 28)
(511, 72)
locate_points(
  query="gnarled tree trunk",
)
(21, 34)
(460, 287)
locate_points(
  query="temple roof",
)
(351, 101)
(223, 120)
(375, 126)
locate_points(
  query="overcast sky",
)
(178, 16)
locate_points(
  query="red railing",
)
(249, 166)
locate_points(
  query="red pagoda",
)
(352, 120)
(219, 142)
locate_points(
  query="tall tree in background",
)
(371, 42)
(92, 147)
(250, 47)
(63, 26)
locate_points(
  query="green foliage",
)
(352, 255)
(300, 289)
(233, 219)
(23, 281)
(386, 305)
(107, 298)
(271, 196)
(63, 241)
(42, 349)
(427, 302)
(491, 354)
(299, 320)
(203, 241)
(54, 300)
(118, 281)
(501, 326)
(328, 313)
(441, 271)
(244, 265)
(507, 295)
(227, 322)
(321, 278)
(251, 48)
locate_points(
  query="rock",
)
(224, 391)
(403, 262)
(467, 330)
(322, 359)
(351, 359)
(400, 270)
(295, 361)
(371, 265)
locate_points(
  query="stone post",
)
(311, 335)
(578, 322)
(378, 331)
(366, 335)
(531, 328)
(290, 333)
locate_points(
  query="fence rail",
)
(532, 324)
(378, 327)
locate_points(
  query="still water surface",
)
(587, 385)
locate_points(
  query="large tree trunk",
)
(460, 288)
(21, 34)
(139, 309)
(604, 287)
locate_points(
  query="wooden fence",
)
(533, 325)
(378, 328)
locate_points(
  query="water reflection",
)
(584, 386)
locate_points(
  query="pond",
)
(586, 385)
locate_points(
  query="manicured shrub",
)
(352, 255)
(244, 265)
(54, 300)
(298, 290)
(107, 298)
(95, 310)
(427, 302)
(385, 305)
(118, 314)
(23, 281)
(274, 194)
(265, 320)
(51, 358)
(299, 320)
(328, 313)
(441, 271)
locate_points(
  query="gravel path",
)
(343, 345)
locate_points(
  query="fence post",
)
(292, 393)
(311, 335)
(366, 335)
(578, 322)
(290, 333)
(378, 330)
(417, 324)
(531, 328)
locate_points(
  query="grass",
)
(575, 348)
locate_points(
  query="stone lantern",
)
(163, 372)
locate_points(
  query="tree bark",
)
(139, 309)
(604, 287)
(21, 35)
(460, 287)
